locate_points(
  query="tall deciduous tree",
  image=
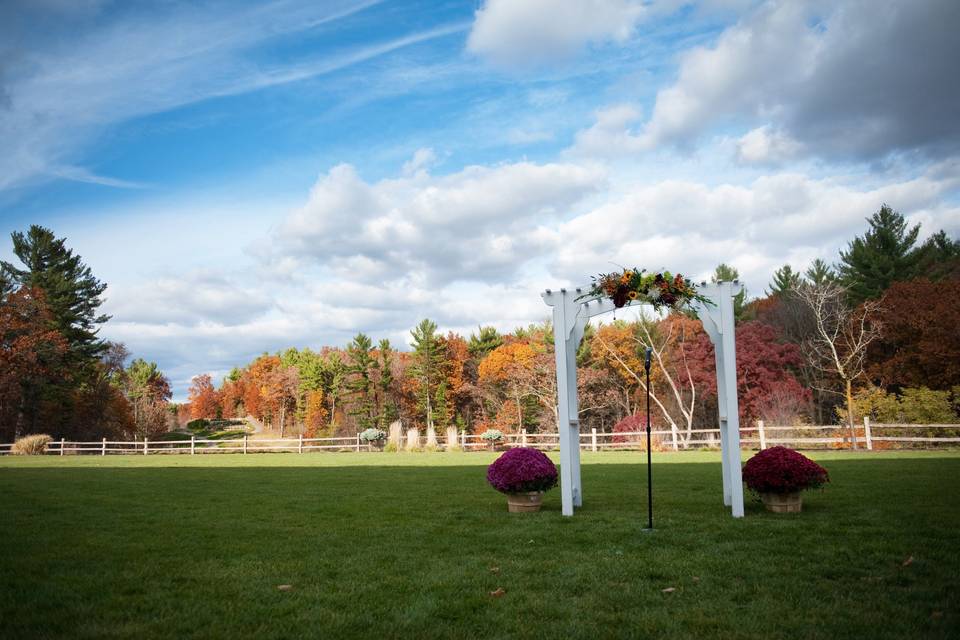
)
(841, 337)
(203, 398)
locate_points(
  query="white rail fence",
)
(868, 436)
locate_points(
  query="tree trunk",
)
(853, 433)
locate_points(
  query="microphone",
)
(646, 360)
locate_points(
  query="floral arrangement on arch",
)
(521, 470)
(659, 289)
(783, 470)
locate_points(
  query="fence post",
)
(763, 436)
(523, 437)
(62, 442)
(103, 448)
(593, 439)
(193, 445)
(463, 439)
(358, 443)
(244, 444)
(300, 445)
(146, 447)
(866, 432)
(673, 436)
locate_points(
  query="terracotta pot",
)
(523, 502)
(783, 502)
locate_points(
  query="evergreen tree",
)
(885, 254)
(441, 409)
(427, 358)
(940, 257)
(388, 413)
(359, 383)
(820, 273)
(785, 280)
(486, 340)
(726, 273)
(72, 292)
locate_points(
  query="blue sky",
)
(252, 176)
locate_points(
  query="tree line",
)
(873, 334)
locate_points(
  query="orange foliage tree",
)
(203, 398)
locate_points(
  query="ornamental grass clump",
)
(782, 470)
(522, 470)
(35, 445)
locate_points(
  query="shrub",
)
(492, 435)
(198, 425)
(782, 470)
(373, 435)
(391, 447)
(522, 469)
(35, 445)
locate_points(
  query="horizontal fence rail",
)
(868, 436)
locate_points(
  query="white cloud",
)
(766, 146)
(481, 223)
(809, 77)
(524, 32)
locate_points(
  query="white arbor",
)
(570, 317)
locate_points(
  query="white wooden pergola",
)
(570, 317)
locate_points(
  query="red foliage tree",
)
(920, 344)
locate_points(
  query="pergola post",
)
(570, 317)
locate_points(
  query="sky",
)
(251, 176)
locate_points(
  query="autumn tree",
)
(31, 355)
(203, 398)
(920, 345)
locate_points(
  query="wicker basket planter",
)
(783, 502)
(523, 502)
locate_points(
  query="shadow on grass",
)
(394, 551)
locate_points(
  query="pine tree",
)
(726, 273)
(885, 254)
(785, 280)
(359, 383)
(486, 340)
(388, 413)
(820, 273)
(72, 292)
(441, 409)
(427, 358)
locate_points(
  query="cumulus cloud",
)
(766, 146)
(856, 79)
(756, 227)
(479, 224)
(524, 32)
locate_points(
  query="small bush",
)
(431, 448)
(372, 435)
(492, 435)
(198, 425)
(391, 447)
(35, 445)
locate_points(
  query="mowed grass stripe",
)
(401, 545)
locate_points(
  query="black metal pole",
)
(646, 365)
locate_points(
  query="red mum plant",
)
(783, 470)
(521, 470)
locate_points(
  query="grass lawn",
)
(411, 545)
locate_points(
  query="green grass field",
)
(411, 545)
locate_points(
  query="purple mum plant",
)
(520, 470)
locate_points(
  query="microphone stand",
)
(646, 366)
